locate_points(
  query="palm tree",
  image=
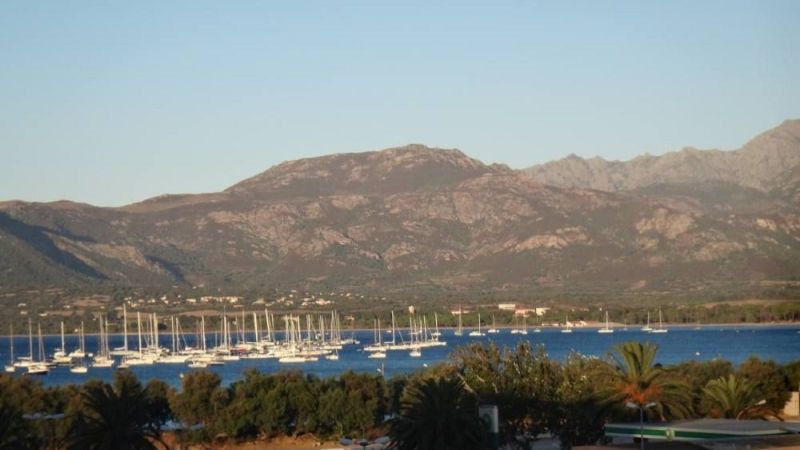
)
(735, 398)
(438, 414)
(636, 379)
(114, 419)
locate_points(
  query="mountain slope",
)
(413, 221)
(764, 163)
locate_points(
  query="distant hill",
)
(766, 162)
(423, 221)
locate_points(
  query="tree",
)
(635, 378)
(15, 432)
(732, 397)
(522, 382)
(697, 375)
(578, 415)
(114, 417)
(769, 382)
(157, 394)
(438, 414)
(201, 398)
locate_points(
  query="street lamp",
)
(641, 409)
(761, 402)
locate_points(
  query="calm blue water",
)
(734, 343)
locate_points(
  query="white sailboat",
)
(567, 325)
(607, 329)
(538, 329)
(26, 361)
(436, 333)
(80, 353)
(39, 367)
(197, 364)
(139, 358)
(10, 367)
(478, 332)
(79, 369)
(647, 327)
(60, 357)
(377, 355)
(123, 350)
(516, 329)
(103, 358)
(494, 329)
(660, 328)
(460, 330)
(378, 348)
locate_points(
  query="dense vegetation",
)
(572, 400)
(49, 309)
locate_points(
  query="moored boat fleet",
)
(303, 338)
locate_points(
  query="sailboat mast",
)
(203, 331)
(125, 327)
(139, 329)
(11, 341)
(30, 339)
(41, 346)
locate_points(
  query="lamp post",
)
(641, 409)
(761, 402)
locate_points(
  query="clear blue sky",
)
(114, 102)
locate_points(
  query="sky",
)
(114, 102)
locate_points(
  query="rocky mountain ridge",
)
(419, 221)
(766, 162)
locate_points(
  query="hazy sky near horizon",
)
(113, 102)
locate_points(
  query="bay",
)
(733, 343)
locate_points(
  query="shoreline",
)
(588, 326)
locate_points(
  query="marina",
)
(394, 352)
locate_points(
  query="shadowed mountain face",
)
(420, 220)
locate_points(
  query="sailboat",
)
(80, 353)
(60, 357)
(647, 327)
(436, 332)
(39, 367)
(477, 333)
(123, 350)
(79, 367)
(660, 328)
(494, 329)
(567, 326)
(10, 367)
(607, 328)
(516, 329)
(524, 330)
(538, 328)
(26, 361)
(103, 358)
(378, 349)
(460, 330)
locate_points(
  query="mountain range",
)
(415, 220)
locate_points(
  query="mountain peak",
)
(408, 167)
(763, 163)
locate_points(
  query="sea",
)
(780, 343)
